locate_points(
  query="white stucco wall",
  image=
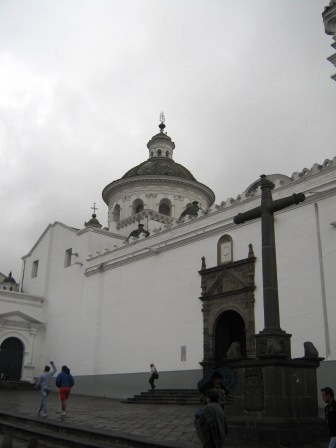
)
(139, 303)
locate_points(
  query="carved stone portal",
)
(228, 310)
(253, 389)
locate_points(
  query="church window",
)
(67, 258)
(167, 153)
(159, 152)
(152, 154)
(137, 207)
(165, 207)
(116, 213)
(224, 250)
(34, 268)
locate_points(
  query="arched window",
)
(159, 152)
(165, 207)
(167, 153)
(137, 207)
(224, 250)
(116, 213)
(152, 154)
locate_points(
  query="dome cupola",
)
(93, 222)
(161, 145)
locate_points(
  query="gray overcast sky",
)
(245, 87)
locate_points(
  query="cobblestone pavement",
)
(157, 422)
(169, 423)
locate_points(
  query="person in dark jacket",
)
(210, 421)
(216, 382)
(153, 375)
(330, 414)
(64, 382)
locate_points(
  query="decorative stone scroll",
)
(253, 389)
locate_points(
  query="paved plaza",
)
(170, 423)
(163, 423)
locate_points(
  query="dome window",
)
(116, 213)
(137, 207)
(167, 153)
(165, 207)
(159, 152)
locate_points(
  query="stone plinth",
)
(276, 401)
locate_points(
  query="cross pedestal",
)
(275, 401)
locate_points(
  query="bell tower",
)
(329, 20)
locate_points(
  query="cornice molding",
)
(100, 232)
(117, 186)
(146, 213)
(216, 223)
(21, 298)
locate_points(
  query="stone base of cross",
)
(273, 344)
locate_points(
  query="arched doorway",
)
(11, 358)
(230, 327)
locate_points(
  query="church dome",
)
(158, 190)
(9, 279)
(93, 222)
(160, 162)
(159, 166)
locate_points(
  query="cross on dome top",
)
(162, 122)
(94, 208)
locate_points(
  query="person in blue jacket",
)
(64, 382)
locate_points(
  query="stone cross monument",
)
(272, 341)
(276, 396)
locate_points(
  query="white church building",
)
(178, 291)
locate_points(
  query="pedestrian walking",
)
(210, 421)
(153, 375)
(64, 382)
(43, 382)
(330, 414)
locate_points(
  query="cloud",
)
(244, 86)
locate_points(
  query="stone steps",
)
(61, 434)
(171, 396)
(17, 385)
(166, 396)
